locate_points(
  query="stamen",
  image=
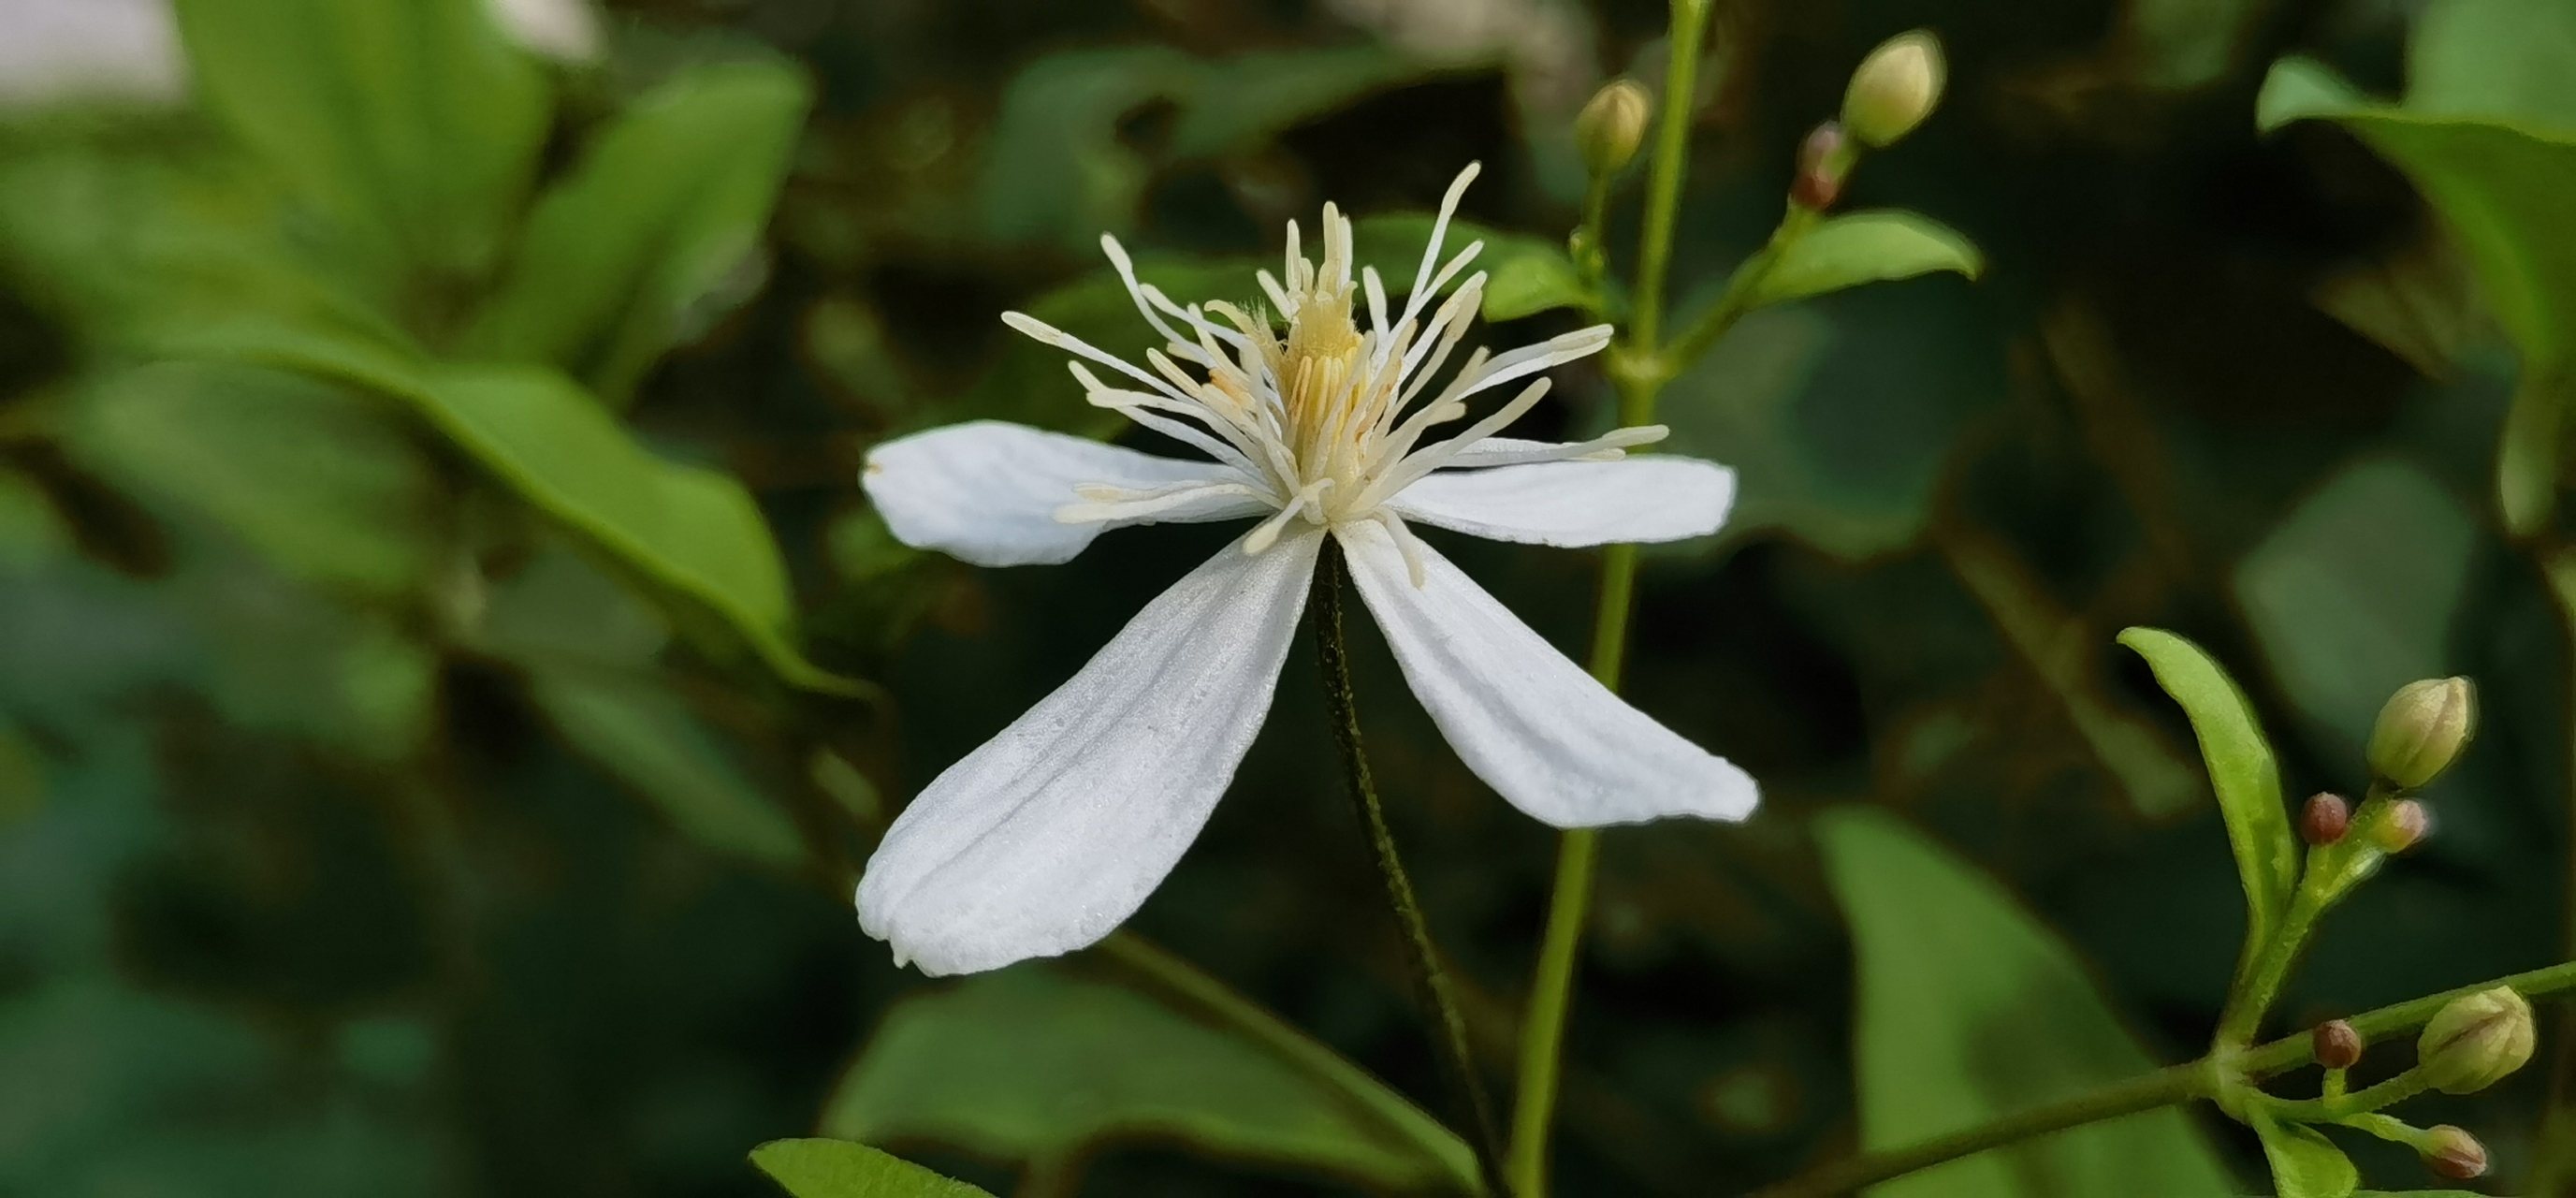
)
(1266, 534)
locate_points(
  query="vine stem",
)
(2209, 1077)
(1333, 655)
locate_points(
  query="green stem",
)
(1332, 654)
(2337, 1108)
(2204, 1078)
(2331, 872)
(1664, 176)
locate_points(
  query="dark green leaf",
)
(2501, 59)
(1969, 1009)
(645, 733)
(414, 121)
(635, 251)
(989, 1067)
(2304, 1163)
(2354, 594)
(1527, 274)
(2241, 770)
(1864, 247)
(835, 1169)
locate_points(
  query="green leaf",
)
(1527, 274)
(2355, 593)
(2504, 59)
(2241, 771)
(638, 248)
(1864, 247)
(1969, 1009)
(834, 1169)
(692, 533)
(988, 1067)
(330, 485)
(2304, 1163)
(415, 121)
(1028, 383)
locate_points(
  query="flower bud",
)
(2422, 730)
(1820, 168)
(2405, 823)
(2453, 1153)
(2338, 1045)
(2325, 818)
(2476, 1041)
(1895, 88)
(1612, 125)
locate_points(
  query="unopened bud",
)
(2476, 1041)
(2338, 1045)
(2422, 730)
(2454, 1153)
(2405, 823)
(2325, 818)
(1821, 162)
(1895, 88)
(1612, 125)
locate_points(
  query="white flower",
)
(58, 50)
(1050, 835)
(560, 29)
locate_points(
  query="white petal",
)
(987, 492)
(1540, 731)
(1630, 501)
(1050, 835)
(1513, 451)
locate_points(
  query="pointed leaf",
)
(1865, 247)
(836, 1169)
(417, 122)
(1968, 1010)
(986, 1066)
(632, 253)
(2241, 770)
(2304, 1163)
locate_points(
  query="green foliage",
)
(986, 1066)
(1863, 247)
(1028, 383)
(1968, 1009)
(2354, 594)
(2241, 771)
(2304, 1163)
(834, 1169)
(415, 123)
(1529, 275)
(646, 241)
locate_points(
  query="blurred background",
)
(405, 789)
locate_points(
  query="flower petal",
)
(1633, 500)
(1050, 835)
(987, 492)
(1540, 731)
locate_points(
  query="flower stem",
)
(1333, 655)
(2208, 1077)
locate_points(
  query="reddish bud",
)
(2338, 1045)
(2453, 1153)
(2324, 819)
(2406, 823)
(1820, 168)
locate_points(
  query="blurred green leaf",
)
(836, 1169)
(695, 534)
(2241, 770)
(1969, 1009)
(1030, 1064)
(2304, 1163)
(633, 251)
(327, 483)
(417, 121)
(645, 734)
(2354, 594)
(1060, 167)
(1028, 383)
(1864, 247)
(2504, 59)
(1528, 274)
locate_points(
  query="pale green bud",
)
(2453, 1153)
(1612, 125)
(2422, 730)
(2476, 1041)
(1895, 88)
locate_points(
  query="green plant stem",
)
(2553, 1170)
(2209, 1077)
(2331, 873)
(1450, 1028)
(2164, 1087)
(1664, 174)
(2337, 1108)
